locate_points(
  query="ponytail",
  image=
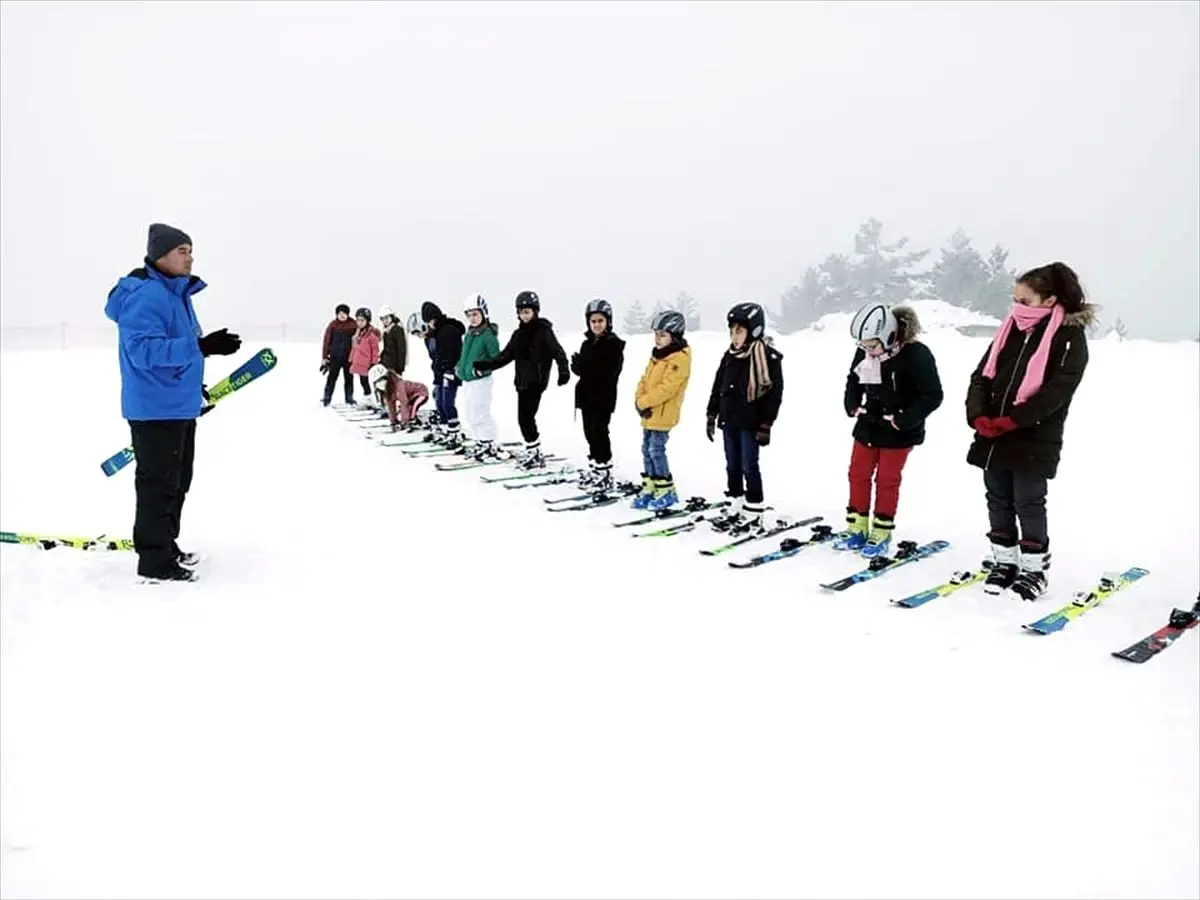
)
(1056, 280)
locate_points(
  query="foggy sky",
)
(400, 152)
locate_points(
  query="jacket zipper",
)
(1008, 390)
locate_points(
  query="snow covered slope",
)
(935, 315)
(395, 682)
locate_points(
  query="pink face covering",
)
(1025, 318)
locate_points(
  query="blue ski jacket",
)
(158, 336)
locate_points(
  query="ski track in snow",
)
(397, 682)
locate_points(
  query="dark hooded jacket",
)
(910, 390)
(729, 401)
(446, 336)
(1036, 444)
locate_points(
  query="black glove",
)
(575, 363)
(711, 428)
(220, 343)
(563, 377)
(204, 393)
(645, 413)
(325, 367)
(762, 437)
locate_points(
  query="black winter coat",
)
(598, 366)
(447, 336)
(394, 354)
(534, 349)
(910, 390)
(1036, 444)
(728, 402)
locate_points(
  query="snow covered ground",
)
(397, 682)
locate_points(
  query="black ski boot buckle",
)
(788, 544)
(821, 532)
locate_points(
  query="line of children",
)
(746, 395)
(481, 343)
(597, 367)
(1017, 405)
(364, 351)
(891, 389)
(335, 353)
(534, 349)
(659, 402)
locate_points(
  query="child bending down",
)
(402, 398)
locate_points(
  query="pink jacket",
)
(364, 352)
(410, 396)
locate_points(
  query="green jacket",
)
(476, 346)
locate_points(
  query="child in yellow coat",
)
(659, 402)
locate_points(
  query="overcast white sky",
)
(401, 151)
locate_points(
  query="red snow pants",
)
(886, 465)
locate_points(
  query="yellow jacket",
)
(662, 387)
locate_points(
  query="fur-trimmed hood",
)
(1085, 318)
(910, 324)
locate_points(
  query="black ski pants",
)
(1014, 497)
(595, 432)
(339, 367)
(527, 410)
(164, 452)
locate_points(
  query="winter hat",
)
(163, 239)
(342, 308)
(430, 312)
(363, 313)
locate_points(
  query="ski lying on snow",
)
(1082, 601)
(596, 500)
(50, 541)
(1151, 645)
(760, 534)
(523, 475)
(693, 505)
(788, 548)
(957, 582)
(694, 518)
(906, 552)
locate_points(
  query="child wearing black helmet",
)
(659, 401)
(891, 389)
(744, 403)
(364, 352)
(533, 348)
(597, 366)
(335, 353)
(444, 337)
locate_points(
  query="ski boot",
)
(855, 535)
(186, 559)
(664, 495)
(753, 519)
(1031, 581)
(177, 573)
(879, 539)
(732, 516)
(1185, 618)
(532, 457)
(481, 451)
(587, 477)
(602, 480)
(453, 439)
(1004, 564)
(642, 500)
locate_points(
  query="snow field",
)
(397, 682)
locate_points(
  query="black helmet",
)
(751, 317)
(363, 313)
(603, 307)
(528, 300)
(342, 308)
(670, 321)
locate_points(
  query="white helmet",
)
(376, 374)
(875, 321)
(476, 302)
(385, 310)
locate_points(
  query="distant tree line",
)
(890, 273)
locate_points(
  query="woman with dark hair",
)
(1017, 404)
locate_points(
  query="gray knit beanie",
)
(163, 239)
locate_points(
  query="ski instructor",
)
(162, 353)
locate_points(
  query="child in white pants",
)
(479, 343)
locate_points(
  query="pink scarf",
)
(1025, 318)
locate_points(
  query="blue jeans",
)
(741, 464)
(654, 453)
(446, 410)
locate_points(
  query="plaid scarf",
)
(759, 382)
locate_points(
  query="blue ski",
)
(906, 552)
